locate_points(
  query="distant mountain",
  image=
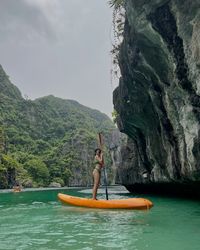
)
(7, 88)
(48, 140)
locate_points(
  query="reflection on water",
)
(106, 229)
(36, 220)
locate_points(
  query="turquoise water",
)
(36, 220)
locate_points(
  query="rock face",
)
(158, 97)
(116, 142)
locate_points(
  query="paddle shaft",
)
(104, 168)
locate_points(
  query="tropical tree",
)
(38, 171)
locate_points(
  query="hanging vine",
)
(118, 28)
(116, 3)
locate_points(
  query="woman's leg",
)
(96, 176)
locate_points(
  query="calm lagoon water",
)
(36, 220)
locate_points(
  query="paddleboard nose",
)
(149, 204)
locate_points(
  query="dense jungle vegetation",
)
(47, 141)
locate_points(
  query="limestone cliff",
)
(158, 97)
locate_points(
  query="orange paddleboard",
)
(132, 203)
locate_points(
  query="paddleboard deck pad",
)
(131, 203)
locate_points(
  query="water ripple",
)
(47, 225)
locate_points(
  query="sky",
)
(59, 47)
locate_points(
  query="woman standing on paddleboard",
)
(98, 163)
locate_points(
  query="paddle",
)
(104, 168)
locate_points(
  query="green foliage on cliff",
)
(116, 3)
(46, 140)
(114, 115)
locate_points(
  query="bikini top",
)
(97, 162)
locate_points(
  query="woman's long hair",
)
(95, 151)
